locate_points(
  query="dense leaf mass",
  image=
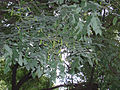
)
(75, 42)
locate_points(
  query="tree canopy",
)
(73, 41)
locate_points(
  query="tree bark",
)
(15, 85)
(24, 79)
(14, 70)
(91, 78)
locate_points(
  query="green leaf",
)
(8, 49)
(75, 0)
(61, 68)
(25, 62)
(28, 67)
(7, 68)
(90, 62)
(54, 64)
(61, 1)
(20, 61)
(115, 20)
(73, 19)
(96, 25)
(86, 25)
(33, 75)
(15, 53)
(39, 72)
(53, 75)
(71, 71)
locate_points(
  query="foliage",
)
(5, 80)
(37, 34)
(2, 85)
(37, 84)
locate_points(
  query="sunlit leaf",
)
(8, 49)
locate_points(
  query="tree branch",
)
(91, 77)
(14, 71)
(77, 86)
(24, 79)
(64, 85)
